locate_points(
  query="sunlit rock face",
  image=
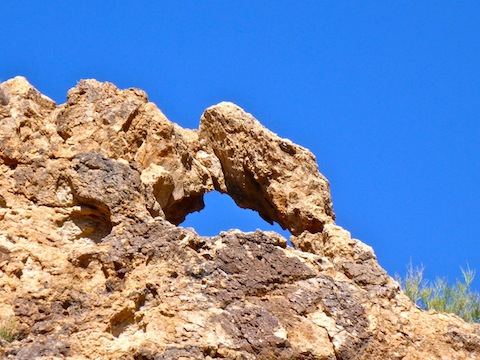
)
(93, 264)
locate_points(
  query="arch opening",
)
(222, 214)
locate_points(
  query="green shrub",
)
(441, 296)
(8, 329)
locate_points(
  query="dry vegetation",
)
(442, 296)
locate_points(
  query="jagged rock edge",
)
(343, 263)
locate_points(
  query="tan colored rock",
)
(93, 266)
(122, 124)
(24, 135)
(261, 170)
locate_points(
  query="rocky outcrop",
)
(261, 170)
(93, 264)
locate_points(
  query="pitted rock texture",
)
(261, 170)
(94, 266)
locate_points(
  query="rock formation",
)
(93, 264)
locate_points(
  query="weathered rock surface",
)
(94, 266)
(261, 170)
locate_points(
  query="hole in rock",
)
(222, 214)
(94, 228)
(3, 203)
(121, 321)
(87, 222)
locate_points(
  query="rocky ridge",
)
(93, 264)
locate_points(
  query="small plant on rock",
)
(441, 296)
(8, 329)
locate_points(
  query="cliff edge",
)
(93, 264)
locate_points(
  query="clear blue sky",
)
(385, 94)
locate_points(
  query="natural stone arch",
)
(222, 214)
(266, 173)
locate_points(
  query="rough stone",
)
(94, 266)
(261, 170)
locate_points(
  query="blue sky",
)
(385, 94)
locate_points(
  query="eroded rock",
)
(93, 266)
(262, 171)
